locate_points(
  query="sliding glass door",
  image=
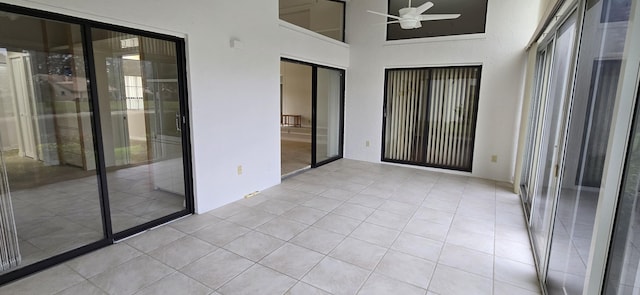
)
(139, 97)
(569, 144)
(328, 115)
(311, 115)
(430, 116)
(543, 69)
(93, 136)
(46, 142)
(551, 139)
(623, 267)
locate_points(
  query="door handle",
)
(178, 122)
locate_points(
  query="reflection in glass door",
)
(623, 267)
(47, 146)
(328, 115)
(91, 137)
(572, 158)
(296, 86)
(543, 67)
(552, 142)
(311, 115)
(140, 110)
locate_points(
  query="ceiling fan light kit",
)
(412, 17)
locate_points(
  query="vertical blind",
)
(9, 250)
(430, 116)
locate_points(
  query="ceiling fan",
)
(411, 17)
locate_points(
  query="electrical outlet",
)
(367, 143)
(494, 158)
(239, 169)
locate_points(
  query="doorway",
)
(311, 115)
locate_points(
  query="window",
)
(472, 20)
(430, 116)
(133, 91)
(324, 17)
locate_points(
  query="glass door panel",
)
(328, 114)
(139, 97)
(529, 165)
(296, 120)
(596, 88)
(623, 269)
(545, 191)
(47, 153)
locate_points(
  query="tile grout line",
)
(389, 249)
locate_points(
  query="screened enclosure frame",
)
(109, 237)
(445, 146)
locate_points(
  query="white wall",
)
(221, 104)
(501, 52)
(303, 45)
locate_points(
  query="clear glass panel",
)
(324, 17)
(328, 113)
(551, 139)
(623, 271)
(295, 120)
(46, 140)
(139, 98)
(597, 76)
(529, 164)
(607, 26)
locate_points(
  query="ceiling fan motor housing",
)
(409, 18)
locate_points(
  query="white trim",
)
(94, 17)
(433, 65)
(464, 37)
(292, 27)
(312, 61)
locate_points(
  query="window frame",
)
(344, 19)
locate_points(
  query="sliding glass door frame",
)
(186, 144)
(428, 103)
(528, 178)
(314, 118)
(533, 169)
(108, 236)
(618, 150)
(314, 111)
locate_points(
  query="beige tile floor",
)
(345, 228)
(294, 156)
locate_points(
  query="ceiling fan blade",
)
(439, 16)
(424, 7)
(388, 23)
(384, 14)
